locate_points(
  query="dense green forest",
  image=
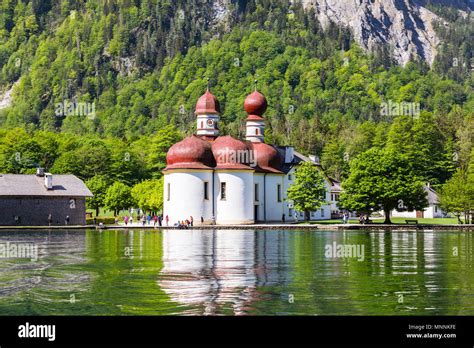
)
(142, 65)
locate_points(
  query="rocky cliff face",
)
(405, 25)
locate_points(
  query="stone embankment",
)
(314, 227)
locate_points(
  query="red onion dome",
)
(231, 153)
(207, 104)
(190, 153)
(255, 104)
(267, 157)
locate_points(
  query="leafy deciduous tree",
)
(308, 190)
(382, 180)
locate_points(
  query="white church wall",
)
(186, 196)
(260, 199)
(274, 199)
(237, 207)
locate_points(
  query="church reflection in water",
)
(218, 271)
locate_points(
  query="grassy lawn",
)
(395, 220)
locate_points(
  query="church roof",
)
(268, 158)
(231, 153)
(255, 104)
(190, 153)
(207, 104)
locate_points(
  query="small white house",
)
(432, 211)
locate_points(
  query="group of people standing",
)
(147, 219)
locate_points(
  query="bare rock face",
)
(403, 24)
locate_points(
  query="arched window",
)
(202, 124)
(256, 131)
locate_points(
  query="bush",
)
(104, 220)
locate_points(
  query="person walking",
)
(66, 220)
(125, 219)
(191, 221)
(50, 219)
(160, 220)
(167, 220)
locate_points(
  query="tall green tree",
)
(308, 191)
(455, 197)
(382, 180)
(148, 195)
(118, 197)
(98, 185)
(457, 194)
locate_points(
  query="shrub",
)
(104, 220)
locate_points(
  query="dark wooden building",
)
(29, 200)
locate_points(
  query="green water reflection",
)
(237, 272)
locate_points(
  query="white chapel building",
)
(234, 181)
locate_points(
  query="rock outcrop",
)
(405, 25)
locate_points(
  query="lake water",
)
(229, 272)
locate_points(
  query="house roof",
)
(431, 195)
(32, 185)
(335, 186)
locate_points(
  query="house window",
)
(169, 192)
(206, 190)
(202, 124)
(256, 192)
(279, 192)
(436, 208)
(289, 177)
(322, 212)
(256, 131)
(223, 190)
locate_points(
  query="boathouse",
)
(30, 200)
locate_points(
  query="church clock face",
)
(210, 123)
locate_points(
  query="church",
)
(218, 178)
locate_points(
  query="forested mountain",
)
(142, 65)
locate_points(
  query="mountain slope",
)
(404, 25)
